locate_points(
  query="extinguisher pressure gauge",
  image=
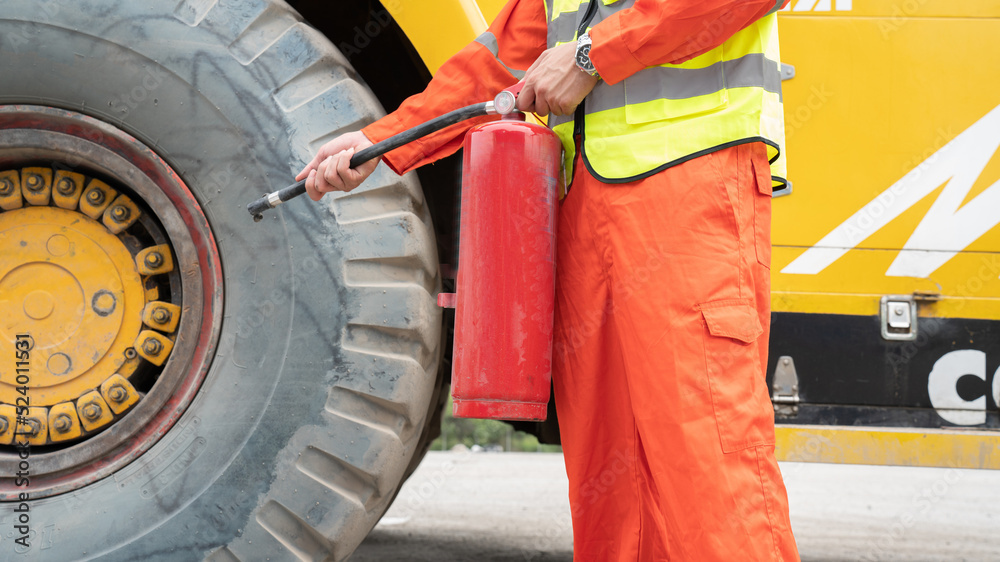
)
(504, 102)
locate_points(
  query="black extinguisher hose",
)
(502, 106)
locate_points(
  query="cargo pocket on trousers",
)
(743, 411)
(762, 209)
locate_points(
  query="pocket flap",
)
(737, 320)
(762, 173)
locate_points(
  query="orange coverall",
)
(662, 307)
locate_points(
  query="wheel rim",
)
(115, 276)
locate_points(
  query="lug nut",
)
(130, 353)
(91, 411)
(34, 426)
(62, 423)
(33, 182)
(6, 187)
(95, 196)
(4, 424)
(161, 315)
(152, 346)
(154, 259)
(117, 393)
(66, 186)
(120, 213)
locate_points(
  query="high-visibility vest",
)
(664, 115)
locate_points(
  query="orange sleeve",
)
(654, 32)
(475, 74)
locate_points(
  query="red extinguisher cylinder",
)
(505, 297)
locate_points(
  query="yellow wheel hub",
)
(74, 288)
(70, 286)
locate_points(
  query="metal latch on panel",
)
(785, 386)
(898, 315)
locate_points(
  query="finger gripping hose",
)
(272, 200)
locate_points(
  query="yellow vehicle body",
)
(884, 96)
(892, 126)
(892, 123)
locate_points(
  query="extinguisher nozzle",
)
(272, 200)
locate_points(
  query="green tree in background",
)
(485, 433)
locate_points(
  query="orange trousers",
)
(662, 318)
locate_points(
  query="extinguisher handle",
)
(272, 200)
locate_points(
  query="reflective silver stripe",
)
(562, 29)
(606, 10)
(777, 6)
(549, 8)
(753, 71)
(489, 41)
(658, 82)
(555, 120)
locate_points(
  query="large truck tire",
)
(298, 385)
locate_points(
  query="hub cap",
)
(96, 232)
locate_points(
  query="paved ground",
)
(502, 507)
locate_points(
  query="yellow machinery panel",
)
(437, 28)
(892, 124)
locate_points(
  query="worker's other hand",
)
(554, 84)
(331, 169)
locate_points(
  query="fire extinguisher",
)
(505, 292)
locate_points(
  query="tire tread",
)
(294, 533)
(192, 12)
(262, 33)
(340, 476)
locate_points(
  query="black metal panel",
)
(849, 375)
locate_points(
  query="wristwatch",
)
(583, 61)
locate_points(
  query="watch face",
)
(583, 58)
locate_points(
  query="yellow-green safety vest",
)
(664, 115)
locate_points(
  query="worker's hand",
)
(331, 169)
(554, 84)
